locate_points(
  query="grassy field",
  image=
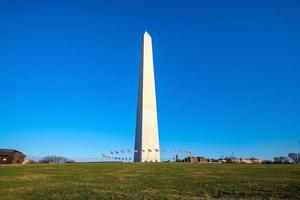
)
(149, 181)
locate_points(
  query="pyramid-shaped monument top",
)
(146, 34)
(146, 136)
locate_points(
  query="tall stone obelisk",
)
(146, 136)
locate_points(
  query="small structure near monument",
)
(195, 160)
(243, 160)
(11, 156)
(233, 160)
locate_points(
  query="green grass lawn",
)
(149, 181)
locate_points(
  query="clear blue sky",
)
(227, 75)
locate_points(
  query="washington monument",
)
(146, 135)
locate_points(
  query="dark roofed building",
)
(11, 156)
(196, 160)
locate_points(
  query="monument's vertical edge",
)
(139, 113)
(146, 139)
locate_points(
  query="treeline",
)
(55, 160)
(290, 159)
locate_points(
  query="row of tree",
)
(292, 158)
(55, 160)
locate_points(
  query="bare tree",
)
(295, 157)
(55, 160)
(267, 162)
(281, 160)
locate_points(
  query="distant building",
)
(196, 160)
(11, 156)
(243, 160)
(218, 160)
(29, 161)
(233, 160)
(255, 161)
(221, 160)
(190, 159)
(203, 160)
